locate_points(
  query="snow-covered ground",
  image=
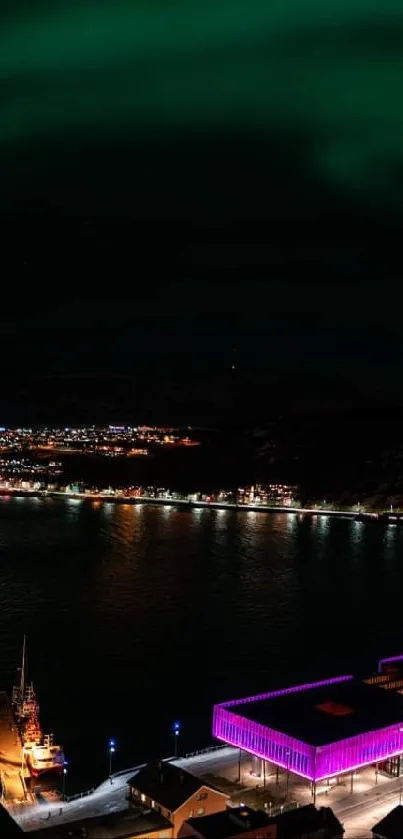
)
(358, 812)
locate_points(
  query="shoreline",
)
(381, 516)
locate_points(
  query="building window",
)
(153, 805)
(191, 814)
(202, 796)
(143, 798)
(200, 811)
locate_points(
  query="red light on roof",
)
(335, 709)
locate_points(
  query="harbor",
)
(232, 773)
(25, 752)
(14, 773)
(220, 767)
(134, 741)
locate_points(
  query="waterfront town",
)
(258, 498)
(20, 477)
(187, 466)
(111, 441)
(322, 759)
(201, 450)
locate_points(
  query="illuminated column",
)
(256, 766)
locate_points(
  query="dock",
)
(12, 766)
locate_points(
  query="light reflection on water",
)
(137, 615)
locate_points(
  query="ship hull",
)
(42, 756)
(52, 769)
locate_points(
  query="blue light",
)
(111, 743)
(176, 727)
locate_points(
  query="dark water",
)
(137, 616)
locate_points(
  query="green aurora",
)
(331, 71)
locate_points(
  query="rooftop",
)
(391, 827)
(304, 821)
(326, 713)
(301, 821)
(230, 822)
(167, 784)
(128, 823)
(9, 829)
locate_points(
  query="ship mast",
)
(23, 667)
(18, 694)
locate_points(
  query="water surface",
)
(139, 615)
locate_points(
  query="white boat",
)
(45, 757)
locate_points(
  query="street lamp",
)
(176, 730)
(65, 770)
(111, 752)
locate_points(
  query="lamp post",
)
(176, 730)
(288, 774)
(65, 770)
(111, 752)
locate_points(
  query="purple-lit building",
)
(319, 730)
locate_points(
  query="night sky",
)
(188, 186)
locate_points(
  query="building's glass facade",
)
(314, 763)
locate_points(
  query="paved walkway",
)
(108, 798)
(10, 754)
(358, 812)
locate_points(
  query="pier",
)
(358, 811)
(12, 766)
